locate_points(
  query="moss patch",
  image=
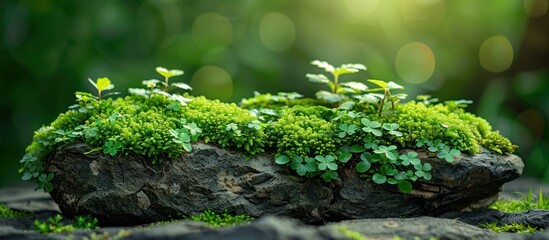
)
(6, 212)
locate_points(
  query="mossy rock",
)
(127, 189)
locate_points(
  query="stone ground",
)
(23, 197)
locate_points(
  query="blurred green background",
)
(493, 52)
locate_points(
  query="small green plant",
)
(337, 88)
(101, 84)
(186, 134)
(221, 220)
(513, 228)
(442, 150)
(6, 212)
(44, 182)
(167, 74)
(56, 224)
(386, 88)
(528, 202)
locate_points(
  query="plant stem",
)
(336, 83)
(166, 84)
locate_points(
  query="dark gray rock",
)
(421, 227)
(126, 190)
(534, 218)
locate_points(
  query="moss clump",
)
(226, 124)
(456, 128)
(303, 131)
(6, 212)
(513, 228)
(221, 220)
(56, 224)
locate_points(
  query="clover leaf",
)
(326, 162)
(389, 151)
(370, 144)
(346, 129)
(421, 142)
(379, 178)
(410, 158)
(282, 159)
(363, 166)
(303, 166)
(371, 127)
(404, 186)
(112, 147)
(448, 154)
(181, 136)
(392, 128)
(423, 171)
(357, 149)
(255, 124)
(175, 105)
(44, 182)
(344, 156)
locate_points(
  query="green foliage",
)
(226, 125)
(303, 131)
(221, 220)
(528, 202)
(312, 137)
(167, 74)
(513, 228)
(337, 89)
(101, 84)
(455, 129)
(57, 225)
(6, 212)
(362, 148)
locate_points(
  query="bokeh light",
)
(212, 82)
(423, 14)
(212, 30)
(536, 8)
(496, 54)
(361, 8)
(415, 62)
(277, 31)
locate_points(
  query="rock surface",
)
(271, 227)
(128, 190)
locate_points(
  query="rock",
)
(127, 190)
(280, 228)
(534, 218)
(421, 227)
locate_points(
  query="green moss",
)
(528, 202)
(303, 131)
(160, 127)
(221, 220)
(226, 125)
(455, 128)
(514, 228)
(6, 212)
(55, 224)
